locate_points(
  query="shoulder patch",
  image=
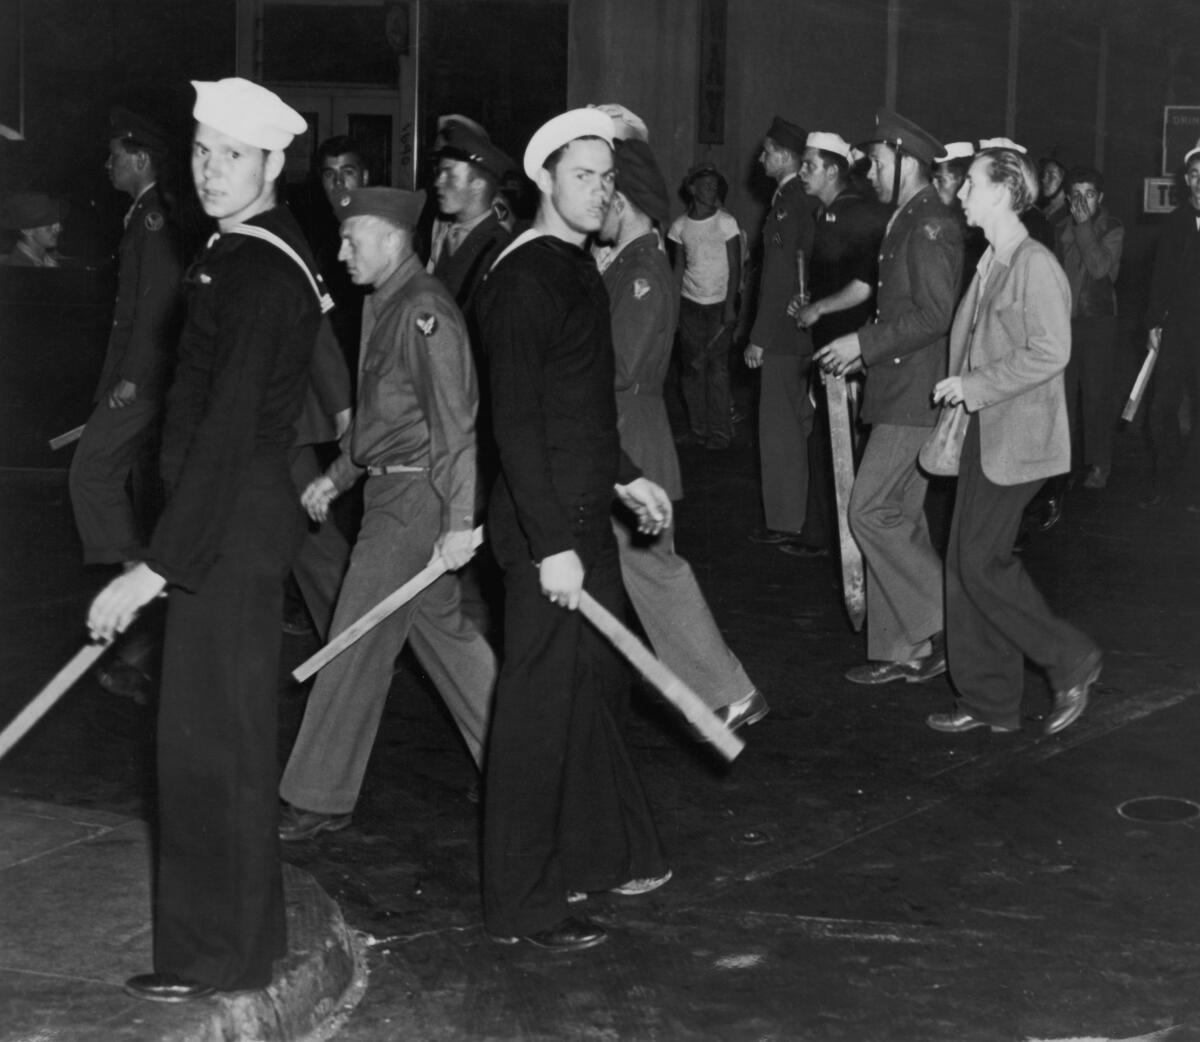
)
(641, 288)
(154, 221)
(932, 230)
(427, 324)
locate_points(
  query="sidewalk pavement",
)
(75, 923)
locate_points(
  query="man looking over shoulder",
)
(564, 810)
(222, 547)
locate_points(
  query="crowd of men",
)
(513, 378)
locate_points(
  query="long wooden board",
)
(841, 442)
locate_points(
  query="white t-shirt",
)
(706, 262)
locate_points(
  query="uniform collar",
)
(648, 241)
(394, 282)
(137, 199)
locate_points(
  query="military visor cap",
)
(903, 134)
(791, 136)
(458, 141)
(392, 204)
(136, 132)
(32, 210)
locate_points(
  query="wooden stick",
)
(391, 603)
(67, 437)
(841, 442)
(673, 689)
(1139, 385)
(83, 660)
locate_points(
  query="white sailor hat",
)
(1001, 142)
(248, 112)
(1193, 151)
(557, 132)
(828, 142)
(626, 124)
(956, 150)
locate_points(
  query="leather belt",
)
(394, 468)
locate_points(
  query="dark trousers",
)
(564, 809)
(995, 616)
(785, 419)
(704, 350)
(1176, 378)
(105, 457)
(1090, 407)
(820, 518)
(219, 910)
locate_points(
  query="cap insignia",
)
(154, 221)
(427, 324)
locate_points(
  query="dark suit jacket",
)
(904, 351)
(788, 230)
(463, 271)
(1015, 358)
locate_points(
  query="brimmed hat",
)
(903, 134)
(456, 140)
(829, 142)
(32, 210)
(392, 204)
(248, 112)
(626, 124)
(568, 126)
(787, 135)
(956, 150)
(640, 180)
(136, 131)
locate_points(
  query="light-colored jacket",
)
(1015, 345)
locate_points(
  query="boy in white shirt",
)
(706, 246)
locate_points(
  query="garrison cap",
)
(956, 150)
(626, 124)
(560, 130)
(457, 140)
(248, 112)
(640, 180)
(828, 142)
(1002, 142)
(787, 135)
(396, 205)
(893, 129)
(32, 210)
(136, 132)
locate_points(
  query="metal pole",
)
(892, 69)
(1014, 54)
(21, 68)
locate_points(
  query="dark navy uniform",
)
(140, 349)
(225, 541)
(564, 807)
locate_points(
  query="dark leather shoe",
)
(769, 536)
(166, 987)
(1070, 704)
(933, 664)
(795, 548)
(296, 823)
(959, 722)
(745, 711)
(1053, 514)
(571, 935)
(878, 672)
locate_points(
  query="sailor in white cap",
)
(840, 297)
(949, 170)
(564, 808)
(231, 526)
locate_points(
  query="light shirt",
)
(706, 258)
